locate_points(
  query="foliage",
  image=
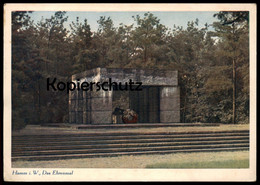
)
(202, 57)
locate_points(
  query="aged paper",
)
(52, 173)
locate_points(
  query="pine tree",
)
(231, 28)
(148, 36)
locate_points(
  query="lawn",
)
(204, 164)
(235, 159)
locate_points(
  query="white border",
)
(131, 174)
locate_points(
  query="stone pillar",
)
(79, 107)
(86, 107)
(169, 104)
(90, 107)
(72, 106)
(100, 107)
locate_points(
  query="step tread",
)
(137, 140)
(113, 145)
(55, 152)
(69, 156)
(128, 136)
(126, 133)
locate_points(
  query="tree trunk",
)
(234, 80)
(39, 102)
(234, 92)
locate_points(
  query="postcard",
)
(129, 92)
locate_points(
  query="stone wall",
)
(169, 104)
(90, 107)
(159, 101)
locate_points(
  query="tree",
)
(21, 70)
(148, 35)
(232, 27)
(104, 41)
(186, 55)
(82, 54)
(213, 66)
(54, 50)
(122, 51)
(53, 35)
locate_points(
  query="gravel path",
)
(140, 161)
(40, 130)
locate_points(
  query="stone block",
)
(86, 104)
(169, 104)
(79, 117)
(169, 116)
(80, 94)
(73, 95)
(73, 105)
(70, 109)
(100, 104)
(169, 92)
(101, 117)
(99, 94)
(72, 117)
(80, 105)
(86, 117)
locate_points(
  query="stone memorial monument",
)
(157, 100)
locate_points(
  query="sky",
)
(167, 18)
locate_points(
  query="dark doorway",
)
(146, 104)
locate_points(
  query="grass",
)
(54, 130)
(234, 159)
(207, 164)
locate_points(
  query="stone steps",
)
(132, 125)
(52, 147)
(127, 149)
(126, 141)
(91, 138)
(34, 149)
(99, 134)
(141, 125)
(95, 155)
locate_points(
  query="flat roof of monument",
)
(147, 72)
(146, 76)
